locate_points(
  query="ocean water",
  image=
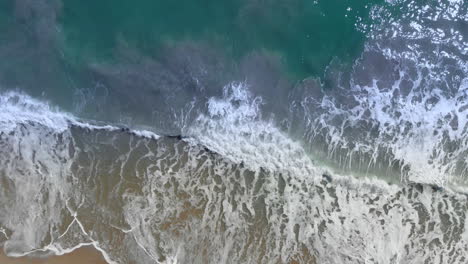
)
(235, 132)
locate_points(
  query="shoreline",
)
(87, 254)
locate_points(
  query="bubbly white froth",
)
(405, 100)
(239, 189)
(234, 129)
(17, 108)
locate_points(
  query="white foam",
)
(18, 108)
(44, 137)
(235, 129)
(425, 130)
(333, 220)
(3, 231)
(57, 250)
(145, 134)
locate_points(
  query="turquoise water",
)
(313, 64)
(339, 76)
(62, 51)
(305, 34)
(5, 10)
(248, 131)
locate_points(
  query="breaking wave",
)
(242, 185)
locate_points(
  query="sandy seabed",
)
(85, 255)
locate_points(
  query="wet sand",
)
(85, 255)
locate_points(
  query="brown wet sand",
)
(84, 255)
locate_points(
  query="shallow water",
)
(247, 132)
(142, 198)
(82, 255)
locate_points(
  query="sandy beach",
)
(85, 255)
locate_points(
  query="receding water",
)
(235, 132)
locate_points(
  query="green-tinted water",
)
(5, 15)
(260, 166)
(306, 34)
